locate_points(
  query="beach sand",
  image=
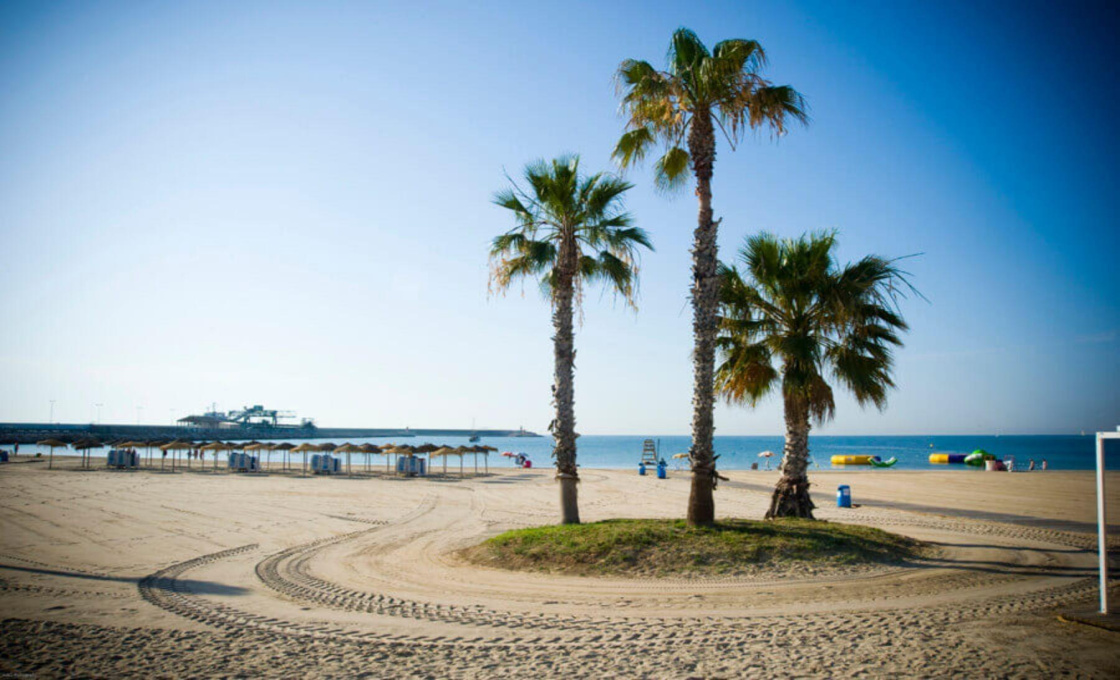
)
(149, 574)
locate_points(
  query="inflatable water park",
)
(978, 458)
(873, 461)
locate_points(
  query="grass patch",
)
(656, 547)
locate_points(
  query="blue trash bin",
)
(642, 469)
(844, 496)
(662, 471)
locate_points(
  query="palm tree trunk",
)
(705, 301)
(563, 390)
(791, 495)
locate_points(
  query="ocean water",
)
(737, 453)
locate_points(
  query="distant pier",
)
(29, 433)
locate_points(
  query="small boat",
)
(474, 438)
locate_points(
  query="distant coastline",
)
(29, 433)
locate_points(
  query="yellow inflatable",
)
(852, 460)
(939, 458)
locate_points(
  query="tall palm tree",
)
(794, 306)
(571, 231)
(679, 108)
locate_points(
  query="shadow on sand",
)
(197, 587)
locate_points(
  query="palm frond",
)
(739, 55)
(561, 210)
(745, 374)
(777, 107)
(633, 146)
(686, 53)
(814, 317)
(671, 170)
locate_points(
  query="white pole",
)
(1102, 524)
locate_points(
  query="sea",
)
(1061, 452)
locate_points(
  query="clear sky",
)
(288, 204)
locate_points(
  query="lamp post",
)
(1102, 518)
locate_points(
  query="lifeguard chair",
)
(649, 452)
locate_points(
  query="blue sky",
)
(288, 204)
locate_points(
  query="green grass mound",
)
(658, 547)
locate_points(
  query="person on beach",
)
(1030, 468)
(1043, 463)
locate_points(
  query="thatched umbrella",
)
(427, 449)
(286, 447)
(52, 444)
(84, 445)
(387, 449)
(443, 452)
(348, 448)
(154, 444)
(216, 446)
(462, 450)
(178, 445)
(371, 448)
(402, 450)
(304, 448)
(256, 446)
(268, 449)
(487, 450)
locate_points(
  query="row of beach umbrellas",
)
(177, 445)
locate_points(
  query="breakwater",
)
(29, 433)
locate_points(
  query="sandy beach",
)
(149, 574)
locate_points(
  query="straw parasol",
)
(443, 453)
(286, 447)
(372, 448)
(128, 444)
(269, 448)
(256, 446)
(154, 444)
(177, 445)
(428, 448)
(304, 448)
(327, 447)
(52, 444)
(348, 448)
(402, 450)
(84, 445)
(485, 451)
(459, 451)
(216, 446)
